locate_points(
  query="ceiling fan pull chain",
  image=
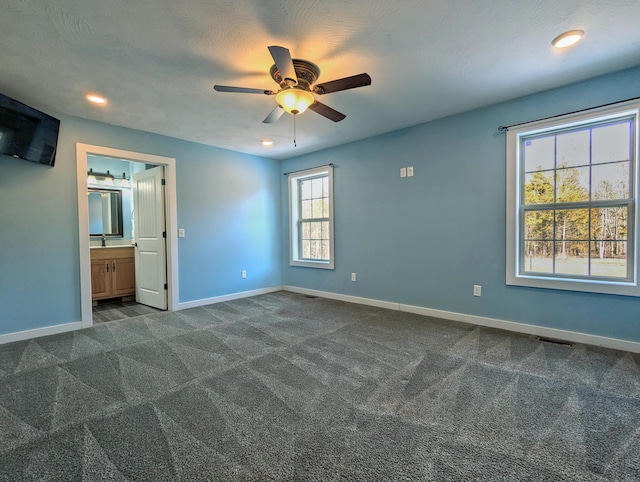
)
(294, 132)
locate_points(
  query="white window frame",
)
(295, 258)
(517, 277)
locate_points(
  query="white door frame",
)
(171, 212)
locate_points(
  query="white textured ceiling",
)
(157, 60)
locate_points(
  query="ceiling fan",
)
(297, 78)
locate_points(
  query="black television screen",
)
(27, 133)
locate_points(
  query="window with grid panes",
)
(313, 225)
(311, 209)
(572, 214)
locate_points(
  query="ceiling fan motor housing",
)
(307, 73)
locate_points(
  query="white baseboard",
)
(572, 336)
(38, 332)
(223, 298)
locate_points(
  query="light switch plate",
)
(403, 172)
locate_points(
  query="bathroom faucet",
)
(104, 240)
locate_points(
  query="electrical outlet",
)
(410, 171)
(403, 172)
(353, 277)
(181, 233)
(243, 274)
(477, 290)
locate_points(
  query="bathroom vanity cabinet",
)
(112, 272)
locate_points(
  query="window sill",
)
(589, 286)
(312, 264)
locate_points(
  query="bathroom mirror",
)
(105, 212)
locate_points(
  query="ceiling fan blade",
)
(326, 111)
(284, 63)
(345, 83)
(274, 115)
(241, 90)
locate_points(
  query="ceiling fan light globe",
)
(294, 100)
(287, 100)
(302, 105)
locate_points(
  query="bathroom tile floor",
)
(111, 310)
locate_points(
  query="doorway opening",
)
(147, 254)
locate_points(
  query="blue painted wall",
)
(422, 241)
(229, 206)
(426, 240)
(228, 203)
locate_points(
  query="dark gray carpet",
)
(287, 387)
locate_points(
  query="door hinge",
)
(166, 286)
(164, 234)
(164, 182)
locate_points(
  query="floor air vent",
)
(555, 341)
(310, 296)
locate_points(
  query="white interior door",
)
(148, 232)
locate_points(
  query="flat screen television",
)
(27, 133)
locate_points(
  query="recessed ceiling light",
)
(267, 142)
(568, 38)
(96, 99)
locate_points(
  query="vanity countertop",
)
(112, 247)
